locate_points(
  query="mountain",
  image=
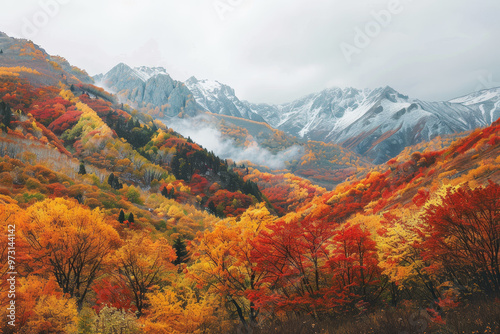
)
(151, 88)
(78, 129)
(375, 123)
(220, 99)
(486, 101)
(378, 123)
(153, 92)
(94, 191)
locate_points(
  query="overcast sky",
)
(276, 51)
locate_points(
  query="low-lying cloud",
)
(204, 133)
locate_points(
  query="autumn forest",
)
(112, 222)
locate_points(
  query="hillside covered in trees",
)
(115, 223)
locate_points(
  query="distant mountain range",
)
(377, 123)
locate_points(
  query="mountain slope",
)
(43, 68)
(237, 125)
(377, 123)
(486, 101)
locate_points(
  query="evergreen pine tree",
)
(79, 198)
(114, 182)
(82, 170)
(184, 170)
(180, 250)
(111, 179)
(212, 208)
(121, 217)
(131, 218)
(130, 124)
(165, 192)
(5, 114)
(175, 166)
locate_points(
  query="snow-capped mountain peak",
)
(144, 86)
(208, 86)
(219, 99)
(487, 101)
(142, 73)
(379, 122)
(481, 96)
(145, 73)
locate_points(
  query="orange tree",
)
(70, 242)
(224, 262)
(142, 264)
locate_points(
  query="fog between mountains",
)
(206, 135)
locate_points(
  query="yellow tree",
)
(401, 255)
(52, 312)
(181, 308)
(142, 264)
(401, 248)
(41, 307)
(69, 241)
(225, 264)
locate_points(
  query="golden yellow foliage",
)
(15, 71)
(62, 233)
(180, 311)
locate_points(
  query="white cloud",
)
(201, 131)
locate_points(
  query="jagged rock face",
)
(153, 87)
(220, 99)
(378, 123)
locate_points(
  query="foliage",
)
(72, 242)
(156, 234)
(142, 265)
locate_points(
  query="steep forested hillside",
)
(115, 223)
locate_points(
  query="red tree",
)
(464, 236)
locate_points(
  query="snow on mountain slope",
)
(378, 123)
(487, 101)
(220, 99)
(146, 73)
